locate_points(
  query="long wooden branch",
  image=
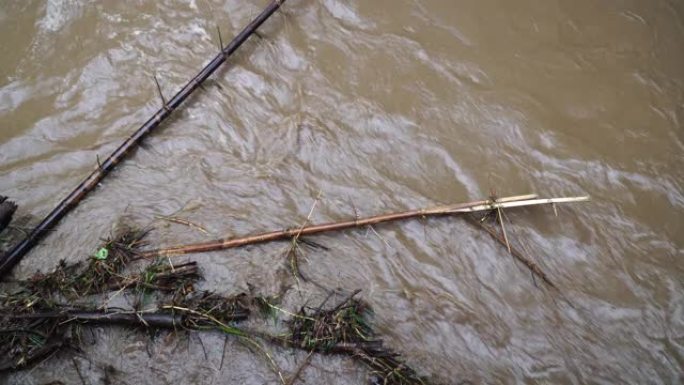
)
(158, 319)
(162, 319)
(460, 208)
(11, 258)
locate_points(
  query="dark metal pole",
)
(12, 257)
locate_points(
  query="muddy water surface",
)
(378, 106)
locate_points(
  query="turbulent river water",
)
(378, 106)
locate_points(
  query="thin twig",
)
(73, 360)
(503, 228)
(294, 262)
(371, 228)
(182, 221)
(531, 265)
(223, 351)
(299, 370)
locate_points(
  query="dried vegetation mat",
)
(46, 313)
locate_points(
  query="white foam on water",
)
(59, 13)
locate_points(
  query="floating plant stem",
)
(460, 208)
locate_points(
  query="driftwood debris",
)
(46, 314)
(12, 257)
(27, 334)
(35, 322)
(43, 314)
(344, 329)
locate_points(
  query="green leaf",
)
(101, 254)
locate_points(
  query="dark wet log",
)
(56, 338)
(157, 319)
(160, 320)
(11, 258)
(7, 209)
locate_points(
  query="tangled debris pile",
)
(47, 312)
(344, 329)
(44, 314)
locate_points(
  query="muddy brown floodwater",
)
(380, 106)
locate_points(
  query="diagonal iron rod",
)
(460, 208)
(12, 257)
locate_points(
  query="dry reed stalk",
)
(460, 208)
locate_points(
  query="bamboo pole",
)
(460, 208)
(11, 258)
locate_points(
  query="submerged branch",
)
(517, 254)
